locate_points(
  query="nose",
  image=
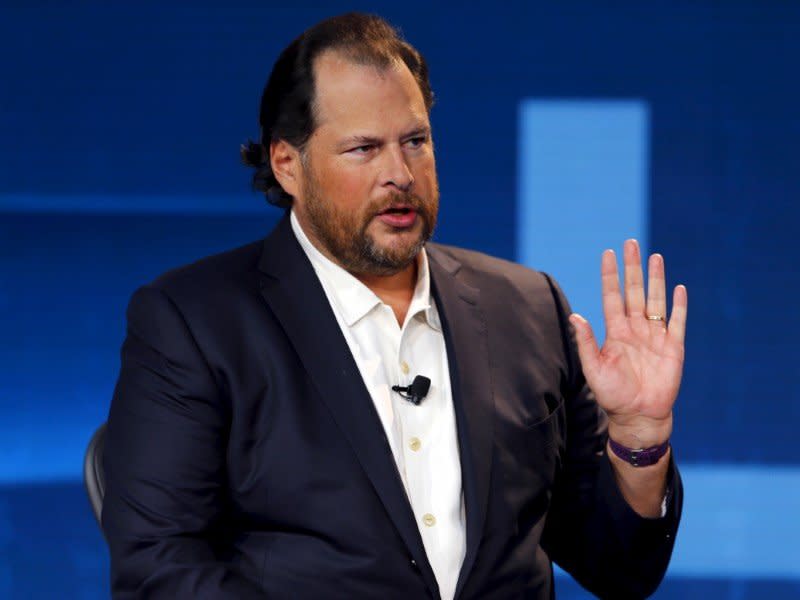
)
(396, 171)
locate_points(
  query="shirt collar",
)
(354, 299)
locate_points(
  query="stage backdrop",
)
(561, 129)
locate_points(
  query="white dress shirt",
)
(423, 438)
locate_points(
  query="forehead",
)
(349, 94)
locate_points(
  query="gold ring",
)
(655, 318)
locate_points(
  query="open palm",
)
(637, 373)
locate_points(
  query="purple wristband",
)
(642, 457)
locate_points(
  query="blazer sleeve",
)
(591, 531)
(164, 463)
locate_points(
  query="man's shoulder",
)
(482, 269)
(216, 271)
(519, 304)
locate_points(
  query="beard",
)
(344, 233)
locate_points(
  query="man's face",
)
(369, 196)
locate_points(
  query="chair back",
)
(93, 476)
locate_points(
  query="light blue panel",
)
(738, 522)
(583, 177)
(245, 203)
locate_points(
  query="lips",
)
(398, 215)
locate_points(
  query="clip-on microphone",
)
(416, 391)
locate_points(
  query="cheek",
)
(425, 176)
(349, 187)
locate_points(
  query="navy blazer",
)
(245, 458)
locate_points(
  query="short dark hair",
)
(287, 104)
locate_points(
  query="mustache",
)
(406, 199)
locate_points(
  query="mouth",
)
(399, 216)
(397, 209)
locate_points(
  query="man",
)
(256, 446)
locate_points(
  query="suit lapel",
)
(468, 356)
(298, 301)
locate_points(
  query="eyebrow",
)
(367, 140)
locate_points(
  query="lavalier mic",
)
(416, 391)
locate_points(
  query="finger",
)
(588, 351)
(634, 280)
(613, 307)
(656, 289)
(677, 320)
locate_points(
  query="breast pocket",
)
(529, 456)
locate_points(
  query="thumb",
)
(588, 351)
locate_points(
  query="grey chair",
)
(93, 476)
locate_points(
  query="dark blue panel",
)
(65, 281)
(50, 544)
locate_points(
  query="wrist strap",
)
(641, 457)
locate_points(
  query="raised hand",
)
(636, 374)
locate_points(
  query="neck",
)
(394, 290)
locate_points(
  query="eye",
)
(365, 149)
(416, 142)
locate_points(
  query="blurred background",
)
(562, 128)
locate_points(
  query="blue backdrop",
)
(560, 128)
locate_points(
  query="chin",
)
(401, 245)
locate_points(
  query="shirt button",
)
(429, 520)
(414, 444)
(404, 367)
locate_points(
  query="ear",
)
(285, 161)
